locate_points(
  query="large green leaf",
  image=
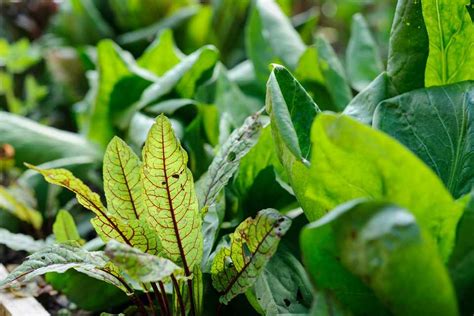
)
(236, 268)
(350, 160)
(60, 258)
(451, 38)
(408, 49)
(170, 199)
(437, 124)
(141, 266)
(283, 287)
(270, 38)
(364, 250)
(363, 61)
(30, 140)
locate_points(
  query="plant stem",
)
(163, 293)
(191, 297)
(160, 298)
(150, 303)
(178, 294)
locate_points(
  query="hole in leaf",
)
(231, 156)
(163, 182)
(176, 176)
(287, 302)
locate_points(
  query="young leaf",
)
(170, 199)
(20, 242)
(60, 258)
(227, 160)
(382, 246)
(10, 203)
(408, 48)
(363, 61)
(437, 124)
(141, 266)
(350, 160)
(236, 268)
(64, 228)
(451, 37)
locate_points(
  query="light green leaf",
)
(64, 228)
(283, 287)
(408, 48)
(363, 61)
(383, 246)
(20, 242)
(60, 258)
(161, 55)
(451, 37)
(141, 266)
(350, 160)
(437, 124)
(227, 159)
(270, 38)
(122, 180)
(236, 268)
(170, 199)
(12, 203)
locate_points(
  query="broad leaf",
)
(64, 228)
(11, 202)
(350, 160)
(451, 37)
(60, 258)
(270, 38)
(408, 48)
(437, 124)
(361, 251)
(283, 287)
(170, 199)
(141, 266)
(255, 240)
(363, 61)
(20, 242)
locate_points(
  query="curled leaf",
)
(20, 241)
(10, 203)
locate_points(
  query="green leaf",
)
(283, 287)
(363, 106)
(20, 242)
(451, 37)
(141, 266)
(270, 38)
(363, 61)
(182, 78)
(227, 159)
(236, 268)
(117, 70)
(408, 48)
(30, 140)
(350, 160)
(291, 110)
(11, 202)
(170, 199)
(325, 303)
(161, 55)
(437, 124)
(60, 258)
(64, 228)
(382, 245)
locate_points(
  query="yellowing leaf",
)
(17, 208)
(253, 243)
(170, 199)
